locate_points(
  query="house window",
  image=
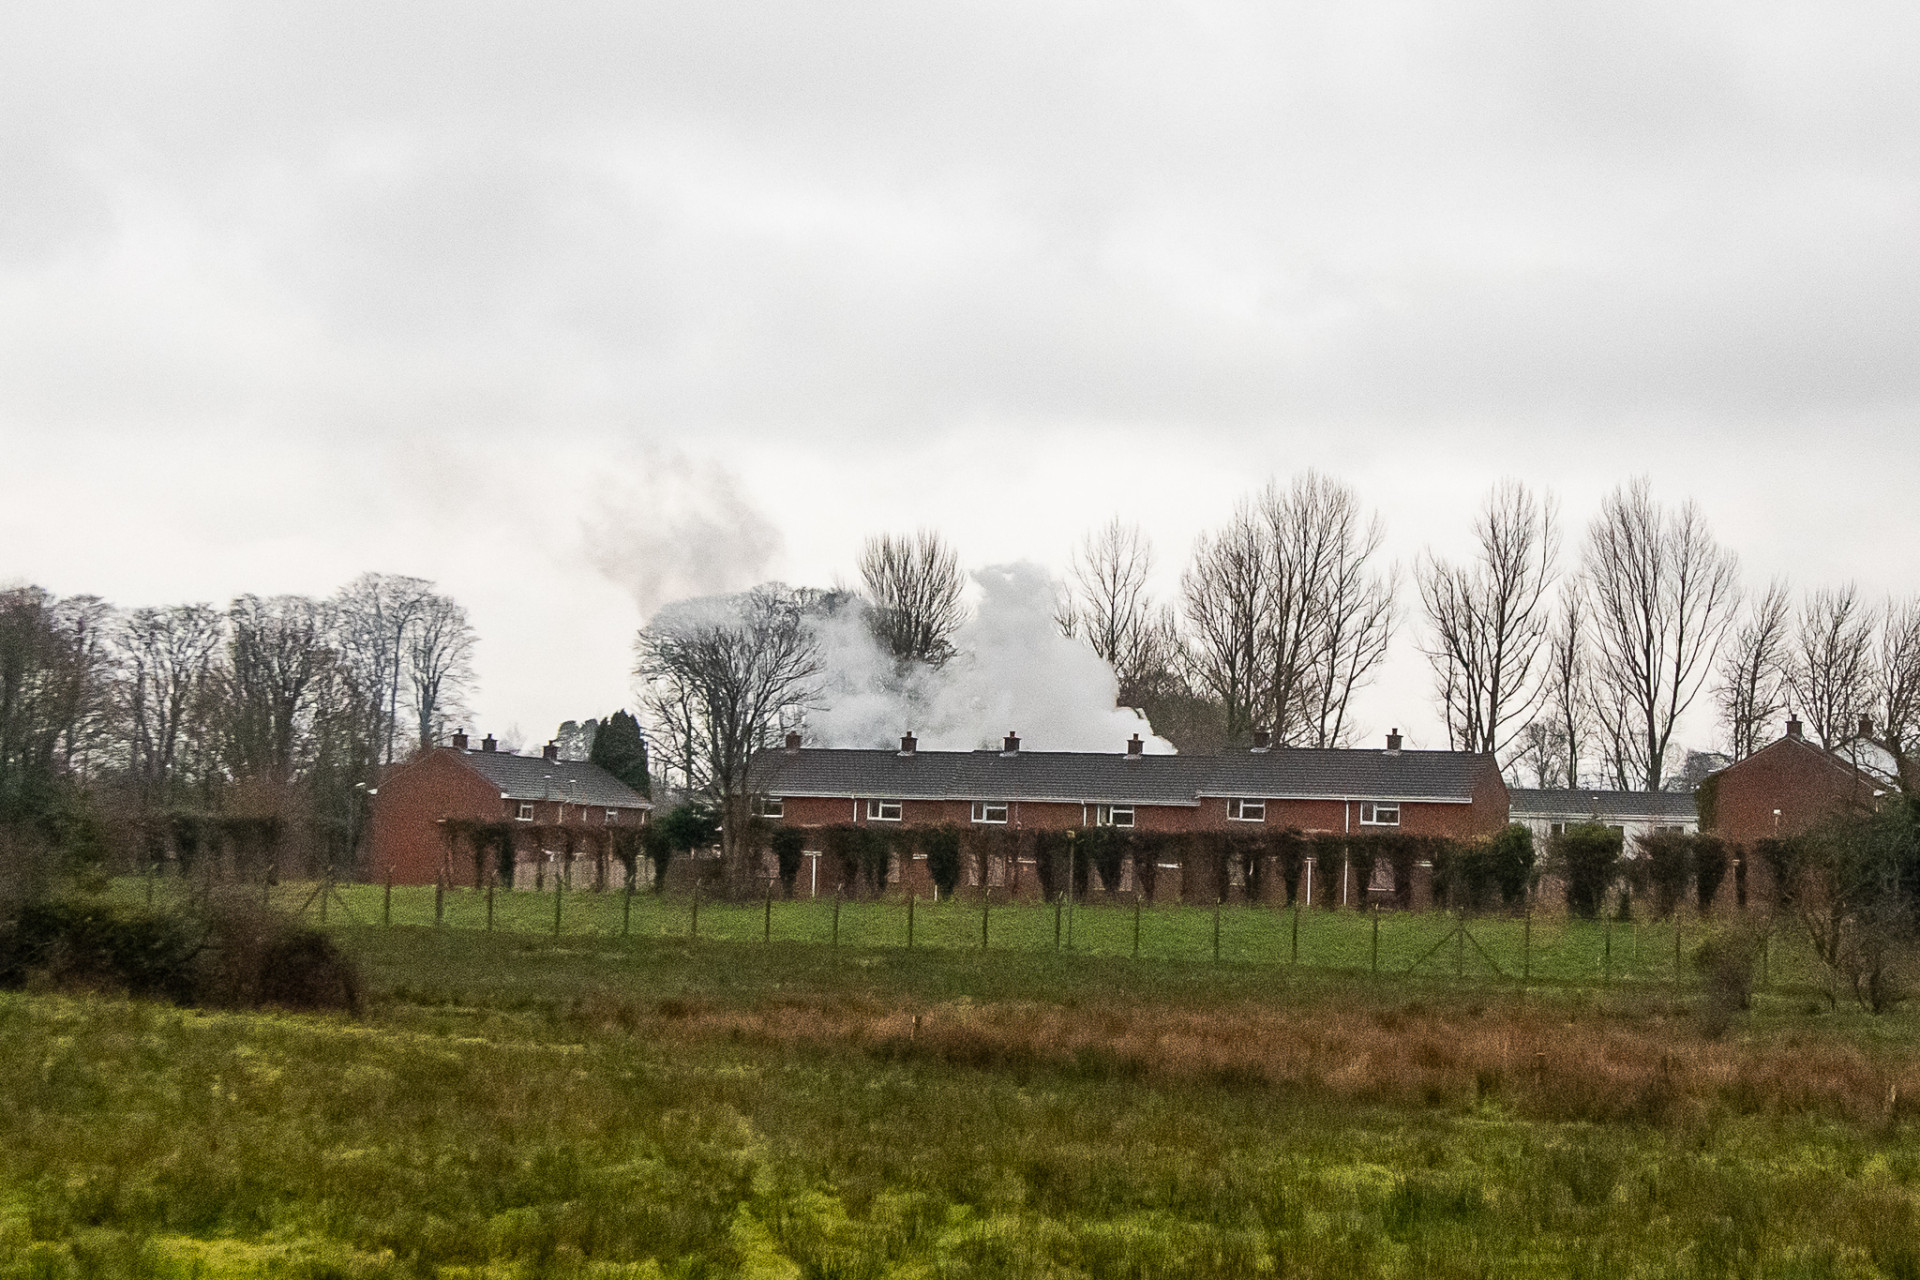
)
(772, 807)
(1113, 815)
(1379, 815)
(526, 813)
(994, 811)
(1556, 828)
(883, 811)
(1247, 810)
(613, 816)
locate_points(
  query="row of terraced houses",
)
(561, 816)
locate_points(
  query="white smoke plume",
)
(1012, 670)
(673, 527)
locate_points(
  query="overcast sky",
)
(576, 307)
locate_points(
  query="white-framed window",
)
(613, 816)
(1113, 815)
(772, 807)
(990, 811)
(1247, 810)
(1377, 814)
(883, 811)
(525, 814)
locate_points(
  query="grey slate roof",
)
(569, 781)
(1290, 773)
(1572, 805)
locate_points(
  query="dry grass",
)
(1607, 1065)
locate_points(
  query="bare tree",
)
(914, 584)
(1225, 591)
(1569, 705)
(1897, 660)
(722, 678)
(1109, 605)
(1831, 666)
(1753, 672)
(278, 658)
(1662, 593)
(439, 665)
(374, 614)
(168, 656)
(55, 693)
(1490, 618)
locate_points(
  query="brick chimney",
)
(487, 743)
(551, 751)
(908, 743)
(1135, 747)
(1793, 726)
(1011, 747)
(459, 740)
(1393, 741)
(1866, 726)
(1262, 740)
(793, 742)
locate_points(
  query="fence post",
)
(150, 867)
(559, 892)
(1606, 972)
(1136, 926)
(986, 909)
(910, 898)
(1293, 954)
(1376, 942)
(489, 904)
(439, 903)
(1459, 946)
(836, 916)
(1071, 853)
(326, 891)
(386, 903)
(766, 934)
(693, 928)
(1056, 923)
(626, 909)
(1765, 938)
(1216, 930)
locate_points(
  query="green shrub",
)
(789, 849)
(1510, 861)
(1588, 856)
(1710, 863)
(942, 847)
(1668, 867)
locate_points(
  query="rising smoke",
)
(1011, 670)
(674, 527)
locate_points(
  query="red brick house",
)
(1334, 791)
(552, 811)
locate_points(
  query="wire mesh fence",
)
(1536, 947)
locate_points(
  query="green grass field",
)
(1550, 948)
(515, 1105)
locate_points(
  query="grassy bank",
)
(519, 1106)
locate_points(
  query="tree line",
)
(129, 725)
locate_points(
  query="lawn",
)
(1549, 948)
(519, 1105)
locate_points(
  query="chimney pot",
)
(1262, 740)
(1135, 747)
(487, 743)
(1393, 739)
(459, 742)
(550, 752)
(908, 743)
(793, 741)
(1011, 747)
(1793, 726)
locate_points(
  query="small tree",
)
(1710, 863)
(1668, 856)
(789, 849)
(682, 829)
(1510, 861)
(942, 847)
(1588, 856)
(621, 751)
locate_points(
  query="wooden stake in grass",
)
(439, 903)
(1216, 930)
(386, 904)
(489, 904)
(1293, 951)
(1136, 926)
(836, 916)
(767, 930)
(910, 898)
(1056, 923)
(1459, 948)
(559, 892)
(626, 909)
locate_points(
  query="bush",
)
(1588, 856)
(942, 847)
(1726, 961)
(789, 848)
(223, 954)
(1668, 858)
(1710, 863)
(1510, 860)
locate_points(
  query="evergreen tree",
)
(621, 751)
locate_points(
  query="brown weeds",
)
(1652, 1067)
